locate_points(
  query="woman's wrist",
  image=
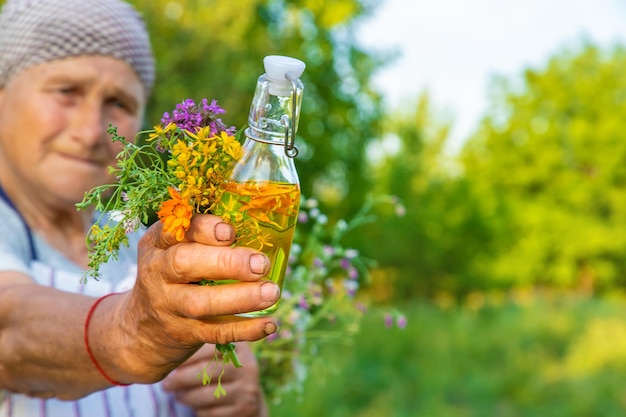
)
(127, 344)
(90, 353)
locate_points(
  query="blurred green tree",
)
(537, 196)
(552, 149)
(214, 49)
(436, 241)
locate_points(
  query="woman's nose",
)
(88, 124)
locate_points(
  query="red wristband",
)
(89, 352)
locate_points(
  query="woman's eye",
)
(66, 95)
(117, 103)
(120, 104)
(67, 90)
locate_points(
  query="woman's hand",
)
(244, 396)
(166, 317)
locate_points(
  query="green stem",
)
(228, 352)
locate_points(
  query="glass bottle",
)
(261, 198)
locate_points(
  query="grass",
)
(508, 356)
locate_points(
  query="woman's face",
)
(53, 125)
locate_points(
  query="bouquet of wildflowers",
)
(174, 171)
(173, 174)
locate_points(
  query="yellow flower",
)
(160, 131)
(231, 146)
(200, 160)
(176, 215)
(182, 153)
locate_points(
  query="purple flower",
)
(159, 147)
(353, 273)
(318, 263)
(388, 320)
(303, 217)
(303, 303)
(398, 318)
(345, 263)
(191, 116)
(213, 107)
(351, 287)
(131, 224)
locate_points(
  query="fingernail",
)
(270, 328)
(224, 232)
(270, 291)
(259, 263)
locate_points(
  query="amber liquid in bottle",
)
(264, 215)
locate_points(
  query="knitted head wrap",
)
(37, 31)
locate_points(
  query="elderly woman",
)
(68, 69)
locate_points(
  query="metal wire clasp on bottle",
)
(290, 129)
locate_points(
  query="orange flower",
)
(176, 215)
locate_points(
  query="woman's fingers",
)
(167, 291)
(201, 302)
(205, 228)
(192, 262)
(224, 329)
(210, 230)
(236, 329)
(233, 329)
(205, 253)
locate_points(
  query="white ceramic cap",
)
(276, 69)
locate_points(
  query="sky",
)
(453, 48)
